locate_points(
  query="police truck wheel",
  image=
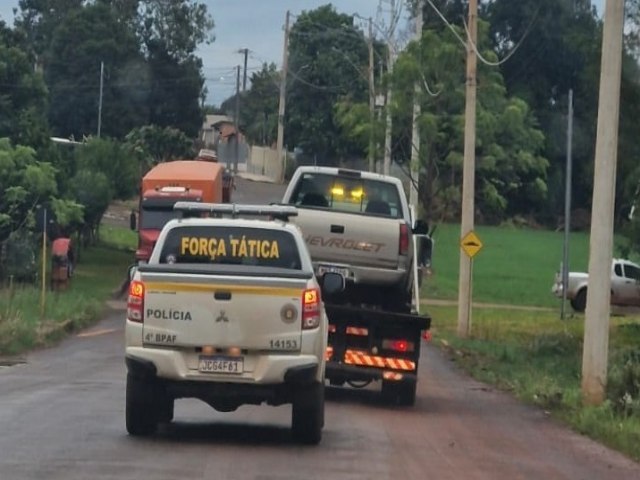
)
(142, 412)
(399, 393)
(307, 414)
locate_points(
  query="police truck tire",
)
(166, 410)
(307, 414)
(142, 411)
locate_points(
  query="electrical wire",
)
(474, 46)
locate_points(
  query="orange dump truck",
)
(163, 186)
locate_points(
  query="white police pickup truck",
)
(228, 311)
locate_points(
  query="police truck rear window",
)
(231, 246)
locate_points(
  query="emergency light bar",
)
(277, 211)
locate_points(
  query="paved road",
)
(62, 417)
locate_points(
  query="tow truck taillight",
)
(398, 345)
(310, 308)
(403, 246)
(135, 302)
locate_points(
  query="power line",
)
(474, 45)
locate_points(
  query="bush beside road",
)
(21, 326)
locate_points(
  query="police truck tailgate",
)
(223, 311)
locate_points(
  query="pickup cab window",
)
(617, 269)
(231, 246)
(631, 271)
(347, 194)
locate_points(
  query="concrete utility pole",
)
(567, 207)
(372, 103)
(415, 133)
(236, 157)
(283, 92)
(468, 176)
(244, 51)
(386, 166)
(391, 52)
(596, 331)
(100, 98)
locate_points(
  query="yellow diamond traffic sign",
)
(471, 244)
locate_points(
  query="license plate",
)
(322, 269)
(221, 364)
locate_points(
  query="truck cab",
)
(156, 210)
(166, 184)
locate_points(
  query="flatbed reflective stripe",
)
(355, 357)
(363, 332)
(157, 287)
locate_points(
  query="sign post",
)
(44, 263)
(471, 245)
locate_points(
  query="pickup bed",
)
(625, 285)
(357, 224)
(228, 311)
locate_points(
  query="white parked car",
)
(625, 285)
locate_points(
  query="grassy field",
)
(515, 266)
(119, 237)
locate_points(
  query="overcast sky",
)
(253, 24)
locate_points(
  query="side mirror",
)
(421, 228)
(332, 283)
(132, 220)
(132, 271)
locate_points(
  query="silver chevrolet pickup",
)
(357, 224)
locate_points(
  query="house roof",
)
(212, 120)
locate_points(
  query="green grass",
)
(515, 266)
(537, 357)
(118, 237)
(98, 273)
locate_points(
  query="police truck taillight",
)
(135, 302)
(310, 308)
(403, 246)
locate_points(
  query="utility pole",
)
(237, 122)
(244, 51)
(386, 166)
(415, 133)
(596, 331)
(567, 207)
(283, 92)
(372, 103)
(100, 98)
(468, 176)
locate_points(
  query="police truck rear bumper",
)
(212, 391)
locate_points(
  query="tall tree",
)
(148, 46)
(86, 37)
(23, 95)
(328, 58)
(558, 49)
